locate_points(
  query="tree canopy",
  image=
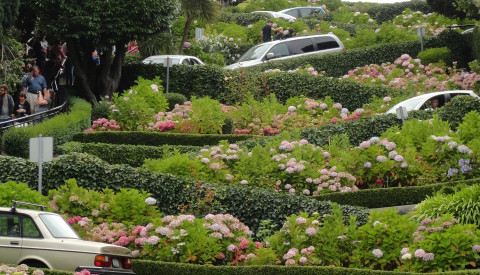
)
(8, 14)
(101, 24)
(456, 8)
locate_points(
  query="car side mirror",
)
(270, 55)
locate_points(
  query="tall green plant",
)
(207, 116)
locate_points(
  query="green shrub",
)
(470, 127)
(11, 190)
(101, 110)
(435, 55)
(384, 13)
(463, 205)
(227, 128)
(173, 99)
(133, 155)
(457, 108)
(15, 141)
(476, 42)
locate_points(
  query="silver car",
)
(289, 48)
(173, 59)
(45, 240)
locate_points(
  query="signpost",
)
(41, 150)
(168, 64)
(421, 34)
(402, 113)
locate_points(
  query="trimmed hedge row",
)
(231, 87)
(15, 141)
(142, 267)
(156, 138)
(172, 193)
(392, 196)
(133, 155)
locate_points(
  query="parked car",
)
(45, 240)
(424, 102)
(174, 60)
(280, 15)
(288, 48)
(302, 11)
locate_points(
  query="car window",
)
(304, 12)
(279, 50)
(254, 53)
(29, 229)
(292, 13)
(186, 61)
(325, 43)
(58, 227)
(301, 46)
(9, 225)
(194, 61)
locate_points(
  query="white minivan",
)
(288, 48)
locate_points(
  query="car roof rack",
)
(14, 205)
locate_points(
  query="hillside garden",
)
(242, 169)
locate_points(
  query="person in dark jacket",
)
(7, 104)
(22, 107)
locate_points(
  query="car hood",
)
(242, 64)
(92, 247)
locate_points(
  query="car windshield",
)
(58, 227)
(162, 60)
(254, 53)
(410, 104)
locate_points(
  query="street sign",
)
(43, 146)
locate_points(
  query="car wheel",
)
(34, 263)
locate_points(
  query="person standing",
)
(43, 102)
(7, 104)
(267, 31)
(33, 85)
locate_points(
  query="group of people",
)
(279, 33)
(34, 98)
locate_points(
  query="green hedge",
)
(393, 196)
(357, 130)
(15, 141)
(383, 13)
(248, 205)
(476, 42)
(156, 138)
(285, 85)
(142, 267)
(133, 155)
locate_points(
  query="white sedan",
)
(430, 100)
(275, 14)
(173, 60)
(45, 240)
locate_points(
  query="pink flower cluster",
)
(83, 222)
(241, 131)
(163, 126)
(103, 124)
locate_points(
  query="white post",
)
(168, 72)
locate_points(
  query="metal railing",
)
(32, 119)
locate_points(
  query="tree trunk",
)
(96, 80)
(185, 34)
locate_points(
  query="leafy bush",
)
(470, 127)
(457, 250)
(135, 108)
(462, 204)
(435, 55)
(173, 99)
(11, 190)
(457, 108)
(127, 205)
(101, 109)
(61, 128)
(378, 240)
(384, 13)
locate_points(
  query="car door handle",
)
(14, 242)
